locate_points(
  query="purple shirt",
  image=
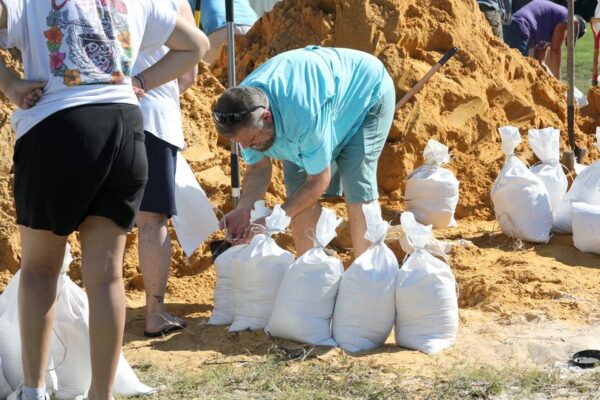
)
(537, 21)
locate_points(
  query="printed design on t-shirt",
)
(92, 47)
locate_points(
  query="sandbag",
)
(225, 265)
(432, 191)
(257, 278)
(5, 388)
(545, 144)
(426, 300)
(521, 201)
(365, 308)
(586, 227)
(585, 189)
(70, 364)
(306, 297)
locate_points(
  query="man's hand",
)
(237, 223)
(25, 94)
(137, 88)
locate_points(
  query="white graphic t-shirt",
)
(85, 49)
(160, 106)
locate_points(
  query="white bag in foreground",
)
(585, 189)
(257, 278)
(426, 301)
(225, 265)
(546, 146)
(70, 348)
(195, 219)
(521, 201)
(432, 191)
(307, 294)
(586, 227)
(365, 308)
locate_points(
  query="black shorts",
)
(81, 161)
(159, 196)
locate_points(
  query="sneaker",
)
(16, 395)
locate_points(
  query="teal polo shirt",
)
(213, 18)
(319, 98)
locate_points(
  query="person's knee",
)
(101, 279)
(147, 220)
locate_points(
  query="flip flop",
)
(168, 328)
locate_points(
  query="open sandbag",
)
(225, 265)
(585, 189)
(306, 297)
(545, 144)
(431, 190)
(521, 201)
(586, 227)
(426, 300)
(365, 308)
(257, 278)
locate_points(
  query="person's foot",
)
(160, 325)
(16, 395)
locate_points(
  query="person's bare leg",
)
(301, 224)
(42, 254)
(154, 250)
(102, 247)
(358, 228)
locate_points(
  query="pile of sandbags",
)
(69, 369)
(520, 198)
(306, 297)
(365, 308)
(431, 190)
(225, 265)
(426, 298)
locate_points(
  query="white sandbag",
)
(257, 279)
(307, 294)
(545, 144)
(195, 219)
(69, 350)
(521, 201)
(586, 227)
(426, 300)
(432, 191)
(585, 189)
(5, 388)
(223, 311)
(365, 308)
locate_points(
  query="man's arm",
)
(308, 193)
(3, 17)
(189, 78)
(558, 38)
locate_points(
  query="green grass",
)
(584, 56)
(350, 378)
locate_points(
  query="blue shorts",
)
(354, 170)
(159, 196)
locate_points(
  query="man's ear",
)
(267, 116)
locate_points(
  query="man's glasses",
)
(233, 118)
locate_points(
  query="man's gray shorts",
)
(354, 171)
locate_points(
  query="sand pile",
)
(485, 86)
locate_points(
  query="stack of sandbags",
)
(431, 190)
(545, 144)
(225, 265)
(258, 277)
(306, 297)
(585, 189)
(70, 370)
(521, 201)
(426, 299)
(365, 308)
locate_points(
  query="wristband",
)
(140, 77)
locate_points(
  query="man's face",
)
(260, 139)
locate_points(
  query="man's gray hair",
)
(249, 102)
